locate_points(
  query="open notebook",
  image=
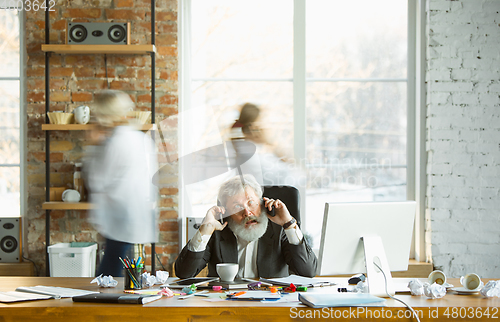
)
(13, 296)
(56, 292)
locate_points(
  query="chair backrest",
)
(289, 195)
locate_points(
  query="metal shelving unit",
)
(49, 49)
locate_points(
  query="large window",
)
(331, 79)
(10, 145)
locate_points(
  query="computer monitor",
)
(379, 231)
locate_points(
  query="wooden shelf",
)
(67, 127)
(60, 205)
(85, 127)
(99, 49)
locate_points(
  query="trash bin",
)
(74, 259)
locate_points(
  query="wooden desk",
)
(196, 309)
(17, 269)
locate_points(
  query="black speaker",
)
(98, 33)
(10, 240)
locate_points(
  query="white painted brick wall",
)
(463, 136)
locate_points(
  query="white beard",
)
(252, 233)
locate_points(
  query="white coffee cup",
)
(471, 282)
(438, 277)
(70, 195)
(227, 271)
(82, 114)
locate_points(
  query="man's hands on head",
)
(282, 215)
(211, 221)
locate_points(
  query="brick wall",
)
(74, 79)
(463, 136)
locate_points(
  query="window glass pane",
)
(224, 100)
(356, 145)
(275, 100)
(9, 114)
(356, 38)
(241, 39)
(9, 43)
(9, 122)
(356, 120)
(9, 191)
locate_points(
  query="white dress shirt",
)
(119, 175)
(247, 251)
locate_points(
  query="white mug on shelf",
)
(82, 114)
(70, 195)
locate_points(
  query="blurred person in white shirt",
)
(119, 170)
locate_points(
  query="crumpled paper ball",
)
(491, 289)
(161, 277)
(434, 291)
(361, 287)
(105, 281)
(148, 280)
(416, 287)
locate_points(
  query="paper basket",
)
(72, 259)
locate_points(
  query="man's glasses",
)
(251, 205)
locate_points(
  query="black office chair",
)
(289, 195)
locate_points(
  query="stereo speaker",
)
(98, 33)
(10, 240)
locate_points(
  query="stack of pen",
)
(133, 270)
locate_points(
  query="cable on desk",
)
(394, 298)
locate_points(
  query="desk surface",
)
(469, 307)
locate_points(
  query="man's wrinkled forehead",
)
(242, 196)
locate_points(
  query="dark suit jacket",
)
(276, 257)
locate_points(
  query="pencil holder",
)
(133, 280)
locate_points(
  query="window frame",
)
(22, 115)
(416, 161)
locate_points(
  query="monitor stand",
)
(375, 253)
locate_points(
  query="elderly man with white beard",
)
(262, 245)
